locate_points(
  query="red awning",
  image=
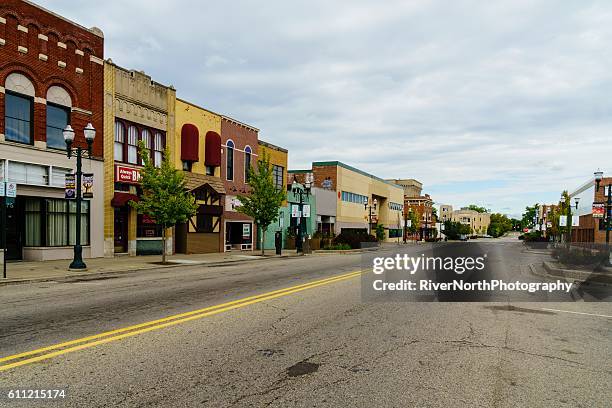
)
(212, 152)
(189, 142)
(120, 199)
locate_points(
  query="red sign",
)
(525, 229)
(125, 174)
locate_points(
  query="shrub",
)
(338, 247)
(353, 238)
(578, 256)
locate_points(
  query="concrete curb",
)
(582, 276)
(343, 251)
(84, 276)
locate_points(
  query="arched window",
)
(59, 105)
(18, 109)
(145, 136)
(230, 160)
(247, 163)
(132, 145)
(119, 141)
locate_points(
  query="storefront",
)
(41, 222)
(238, 227)
(134, 234)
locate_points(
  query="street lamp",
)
(302, 192)
(369, 209)
(90, 134)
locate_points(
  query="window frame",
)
(247, 162)
(31, 121)
(229, 160)
(67, 110)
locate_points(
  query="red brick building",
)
(591, 229)
(239, 147)
(51, 75)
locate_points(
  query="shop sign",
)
(306, 211)
(70, 186)
(88, 179)
(599, 209)
(125, 174)
(246, 230)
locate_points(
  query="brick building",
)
(240, 150)
(591, 228)
(51, 75)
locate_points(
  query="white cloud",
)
(509, 100)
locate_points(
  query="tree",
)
(265, 200)
(380, 232)
(454, 229)
(477, 208)
(499, 225)
(415, 221)
(529, 215)
(164, 197)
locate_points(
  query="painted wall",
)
(205, 121)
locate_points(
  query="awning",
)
(212, 151)
(120, 199)
(189, 142)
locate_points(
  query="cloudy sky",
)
(501, 104)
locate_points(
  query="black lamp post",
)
(369, 209)
(90, 134)
(302, 192)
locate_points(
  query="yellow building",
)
(135, 109)
(279, 158)
(478, 222)
(197, 151)
(354, 189)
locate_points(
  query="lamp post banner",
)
(70, 186)
(88, 179)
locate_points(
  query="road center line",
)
(130, 331)
(580, 313)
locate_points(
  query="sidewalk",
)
(25, 271)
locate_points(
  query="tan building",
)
(135, 109)
(412, 187)
(478, 222)
(445, 213)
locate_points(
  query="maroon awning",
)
(120, 199)
(212, 153)
(189, 142)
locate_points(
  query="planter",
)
(315, 244)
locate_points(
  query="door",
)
(14, 230)
(121, 229)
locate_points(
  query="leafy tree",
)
(164, 198)
(454, 229)
(415, 221)
(499, 225)
(380, 232)
(477, 208)
(265, 200)
(529, 215)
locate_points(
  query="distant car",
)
(487, 236)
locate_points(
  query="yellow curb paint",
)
(162, 323)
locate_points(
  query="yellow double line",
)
(55, 350)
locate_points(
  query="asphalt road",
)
(313, 345)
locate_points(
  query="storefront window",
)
(84, 222)
(59, 218)
(33, 223)
(147, 228)
(57, 222)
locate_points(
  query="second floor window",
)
(145, 136)
(158, 149)
(277, 175)
(18, 118)
(230, 160)
(132, 145)
(57, 119)
(247, 163)
(119, 141)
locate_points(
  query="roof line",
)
(94, 30)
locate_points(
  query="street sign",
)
(525, 230)
(575, 221)
(599, 209)
(2, 189)
(563, 221)
(306, 210)
(409, 223)
(11, 189)
(295, 211)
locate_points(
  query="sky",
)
(501, 104)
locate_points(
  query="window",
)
(145, 136)
(58, 176)
(210, 170)
(33, 230)
(247, 163)
(354, 198)
(230, 160)
(119, 141)
(57, 119)
(158, 149)
(18, 118)
(26, 173)
(187, 165)
(132, 145)
(277, 175)
(204, 223)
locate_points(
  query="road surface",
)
(296, 332)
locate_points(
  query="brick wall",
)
(50, 50)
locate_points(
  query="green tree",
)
(415, 221)
(454, 229)
(164, 198)
(265, 200)
(529, 215)
(380, 232)
(477, 208)
(499, 225)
